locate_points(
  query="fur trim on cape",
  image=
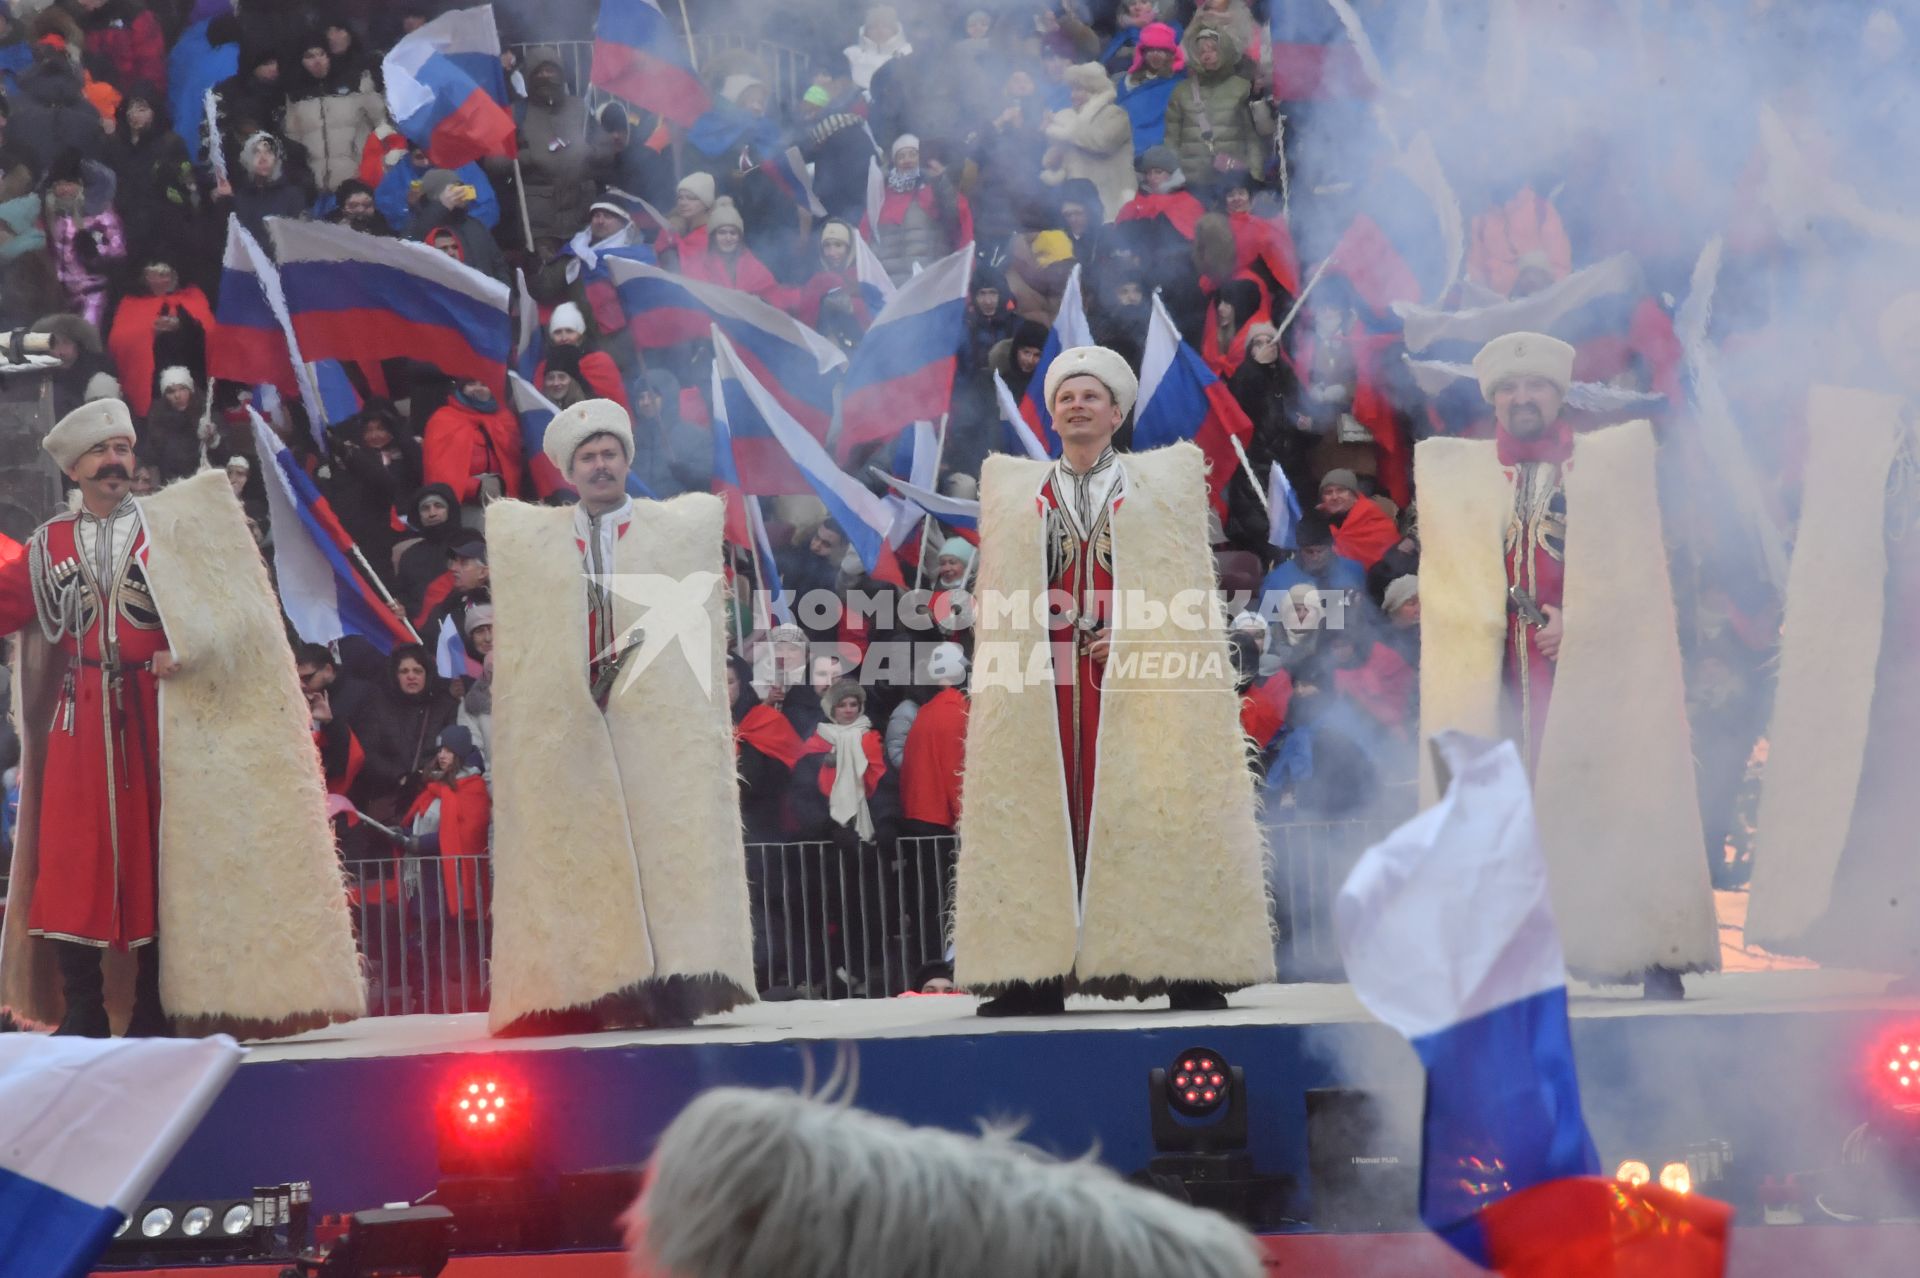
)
(1614, 789)
(256, 939)
(618, 856)
(1823, 705)
(1175, 886)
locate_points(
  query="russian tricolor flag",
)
(1448, 936)
(1321, 50)
(797, 364)
(364, 297)
(321, 591)
(746, 526)
(902, 371)
(250, 345)
(749, 407)
(86, 1126)
(1406, 242)
(954, 511)
(1180, 398)
(638, 56)
(434, 97)
(1017, 435)
(1070, 329)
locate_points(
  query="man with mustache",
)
(620, 888)
(1547, 617)
(1109, 838)
(94, 829)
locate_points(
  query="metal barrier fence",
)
(842, 921)
(790, 70)
(424, 925)
(830, 920)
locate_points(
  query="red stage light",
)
(478, 1134)
(1895, 1067)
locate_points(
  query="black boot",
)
(1040, 998)
(1194, 996)
(85, 990)
(1662, 985)
(149, 1019)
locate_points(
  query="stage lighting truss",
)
(1198, 1083)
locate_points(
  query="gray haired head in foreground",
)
(768, 1184)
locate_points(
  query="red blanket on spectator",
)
(1263, 710)
(930, 770)
(130, 341)
(1382, 685)
(1179, 208)
(1256, 239)
(466, 809)
(1366, 534)
(601, 375)
(771, 733)
(463, 444)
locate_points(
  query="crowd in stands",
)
(1140, 141)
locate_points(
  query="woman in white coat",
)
(1092, 139)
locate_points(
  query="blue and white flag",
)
(1283, 510)
(955, 511)
(86, 1126)
(864, 517)
(1018, 435)
(1448, 936)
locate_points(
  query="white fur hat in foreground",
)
(92, 423)
(577, 423)
(767, 1184)
(1097, 362)
(1523, 355)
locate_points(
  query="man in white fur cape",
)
(1547, 617)
(620, 875)
(1108, 843)
(153, 671)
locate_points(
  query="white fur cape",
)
(1614, 790)
(1829, 651)
(256, 939)
(1175, 885)
(618, 856)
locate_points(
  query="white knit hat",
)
(1097, 362)
(567, 319)
(1399, 591)
(699, 186)
(575, 424)
(901, 142)
(1523, 355)
(90, 424)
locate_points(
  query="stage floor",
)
(915, 1016)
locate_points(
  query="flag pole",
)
(1246, 468)
(520, 190)
(926, 524)
(1301, 300)
(686, 27)
(380, 588)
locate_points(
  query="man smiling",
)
(1090, 864)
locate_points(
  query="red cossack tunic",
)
(84, 579)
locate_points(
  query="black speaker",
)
(1365, 1167)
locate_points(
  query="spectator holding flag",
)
(560, 146)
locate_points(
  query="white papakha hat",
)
(575, 424)
(92, 423)
(1523, 355)
(1097, 362)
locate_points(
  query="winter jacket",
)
(920, 228)
(399, 733)
(367, 488)
(193, 67)
(390, 197)
(670, 455)
(1209, 115)
(20, 219)
(331, 119)
(50, 116)
(478, 248)
(840, 149)
(559, 142)
(1094, 141)
(173, 439)
(156, 194)
(86, 242)
(462, 443)
(126, 37)
(1037, 287)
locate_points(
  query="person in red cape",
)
(472, 445)
(1232, 317)
(165, 325)
(728, 262)
(1362, 531)
(1257, 239)
(568, 327)
(1163, 193)
(930, 771)
(765, 748)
